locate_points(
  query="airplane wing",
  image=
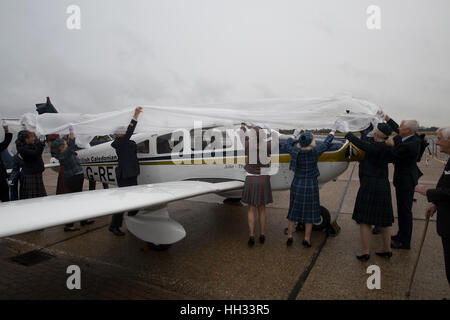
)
(34, 214)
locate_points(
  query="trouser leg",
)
(117, 219)
(74, 184)
(404, 210)
(128, 183)
(446, 246)
(4, 190)
(92, 184)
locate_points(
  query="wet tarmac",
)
(214, 261)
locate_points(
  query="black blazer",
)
(126, 150)
(405, 155)
(441, 198)
(32, 158)
(3, 146)
(375, 163)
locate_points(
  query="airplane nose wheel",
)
(323, 224)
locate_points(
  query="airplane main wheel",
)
(158, 247)
(325, 219)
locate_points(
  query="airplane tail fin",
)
(46, 107)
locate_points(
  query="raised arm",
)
(394, 125)
(401, 152)
(132, 124)
(291, 145)
(324, 146)
(367, 147)
(7, 140)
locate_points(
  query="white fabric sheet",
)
(278, 114)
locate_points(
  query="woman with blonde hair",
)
(304, 205)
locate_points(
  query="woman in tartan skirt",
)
(31, 183)
(373, 204)
(257, 191)
(304, 205)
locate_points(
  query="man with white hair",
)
(405, 154)
(439, 198)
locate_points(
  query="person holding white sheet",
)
(304, 205)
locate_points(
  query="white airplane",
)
(162, 180)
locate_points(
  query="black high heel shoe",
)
(251, 241)
(306, 244)
(387, 254)
(363, 257)
(289, 241)
(262, 239)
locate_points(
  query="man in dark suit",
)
(440, 199)
(405, 153)
(4, 188)
(128, 166)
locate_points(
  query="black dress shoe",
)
(86, 222)
(306, 244)
(398, 245)
(394, 237)
(387, 254)
(70, 229)
(262, 239)
(289, 241)
(363, 257)
(251, 241)
(117, 232)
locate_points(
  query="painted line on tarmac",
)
(302, 279)
(65, 239)
(298, 286)
(73, 237)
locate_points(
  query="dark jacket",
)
(378, 155)
(69, 160)
(3, 146)
(32, 158)
(405, 155)
(441, 198)
(304, 162)
(126, 150)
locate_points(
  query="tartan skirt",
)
(32, 186)
(257, 191)
(373, 204)
(304, 204)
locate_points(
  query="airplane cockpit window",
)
(99, 140)
(143, 147)
(162, 144)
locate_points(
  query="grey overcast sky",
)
(162, 52)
